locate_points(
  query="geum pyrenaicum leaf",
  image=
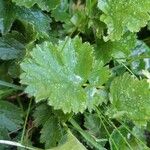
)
(34, 16)
(59, 72)
(123, 15)
(43, 4)
(130, 98)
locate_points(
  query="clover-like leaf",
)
(59, 72)
(130, 97)
(123, 15)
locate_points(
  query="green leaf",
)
(130, 98)
(116, 49)
(52, 131)
(44, 5)
(65, 68)
(72, 143)
(7, 16)
(10, 116)
(122, 139)
(10, 48)
(34, 16)
(123, 15)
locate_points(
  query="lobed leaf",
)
(58, 73)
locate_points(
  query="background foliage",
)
(74, 74)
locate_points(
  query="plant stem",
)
(25, 123)
(7, 84)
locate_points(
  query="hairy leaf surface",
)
(58, 73)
